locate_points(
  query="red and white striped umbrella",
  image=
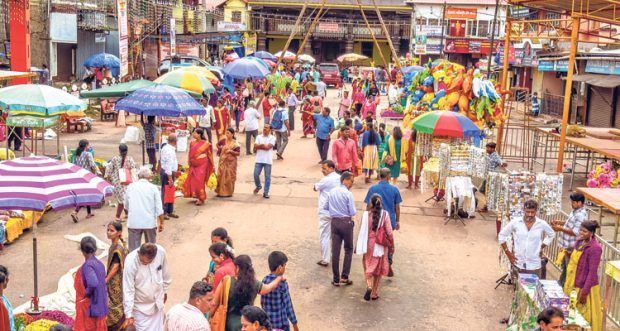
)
(31, 183)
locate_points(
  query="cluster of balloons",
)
(443, 85)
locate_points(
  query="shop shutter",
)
(617, 122)
(599, 107)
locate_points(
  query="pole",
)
(504, 84)
(412, 31)
(290, 37)
(443, 25)
(567, 92)
(492, 40)
(309, 32)
(372, 34)
(387, 35)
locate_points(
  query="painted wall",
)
(385, 48)
(236, 5)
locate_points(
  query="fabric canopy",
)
(608, 81)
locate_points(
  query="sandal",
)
(367, 294)
(375, 298)
(335, 284)
(346, 282)
(74, 217)
(90, 215)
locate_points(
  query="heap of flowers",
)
(603, 176)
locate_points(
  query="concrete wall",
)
(39, 42)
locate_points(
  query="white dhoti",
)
(325, 237)
(144, 322)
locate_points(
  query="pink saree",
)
(200, 168)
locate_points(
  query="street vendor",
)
(494, 161)
(569, 231)
(527, 233)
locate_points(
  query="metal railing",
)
(610, 253)
(551, 104)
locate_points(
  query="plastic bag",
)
(212, 182)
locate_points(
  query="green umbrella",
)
(39, 100)
(117, 90)
(190, 81)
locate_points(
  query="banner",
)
(173, 37)
(461, 13)
(230, 27)
(123, 37)
(467, 46)
(249, 41)
(328, 27)
(607, 67)
(457, 28)
(420, 44)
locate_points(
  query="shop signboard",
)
(328, 27)
(607, 67)
(499, 54)
(467, 46)
(429, 30)
(123, 36)
(457, 28)
(553, 65)
(420, 44)
(433, 46)
(461, 13)
(230, 27)
(518, 11)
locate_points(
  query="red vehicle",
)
(330, 74)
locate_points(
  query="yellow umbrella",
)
(351, 57)
(204, 72)
(187, 80)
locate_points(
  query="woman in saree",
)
(200, 167)
(370, 159)
(414, 162)
(222, 119)
(306, 117)
(91, 293)
(397, 153)
(114, 278)
(228, 150)
(582, 275)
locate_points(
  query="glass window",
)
(472, 28)
(483, 28)
(236, 16)
(433, 21)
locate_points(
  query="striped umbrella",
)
(288, 56)
(446, 123)
(188, 80)
(31, 183)
(39, 100)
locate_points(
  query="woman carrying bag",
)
(119, 173)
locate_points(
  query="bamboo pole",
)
(387, 35)
(309, 32)
(293, 32)
(372, 34)
(567, 93)
(504, 84)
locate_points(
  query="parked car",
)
(330, 74)
(180, 61)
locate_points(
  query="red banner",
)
(461, 13)
(467, 46)
(457, 28)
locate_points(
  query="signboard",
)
(123, 37)
(249, 41)
(461, 13)
(553, 65)
(230, 27)
(457, 28)
(525, 56)
(428, 30)
(607, 67)
(182, 48)
(420, 44)
(467, 46)
(328, 27)
(63, 28)
(518, 11)
(499, 54)
(433, 46)
(173, 37)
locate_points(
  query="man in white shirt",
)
(190, 316)
(144, 207)
(146, 279)
(280, 124)
(321, 88)
(527, 233)
(292, 102)
(263, 147)
(206, 121)
(330, 180)
(251, 117)
(167, 172)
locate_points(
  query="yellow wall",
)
(385, 48)
(236, 5)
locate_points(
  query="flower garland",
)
(603, 176)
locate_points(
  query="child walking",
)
(277, 304)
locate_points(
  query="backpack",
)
(276, 121)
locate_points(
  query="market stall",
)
(605, 198)
(38, 127)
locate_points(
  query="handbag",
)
(169, 191)
(218, 320)
(382, 237)
(125, 176)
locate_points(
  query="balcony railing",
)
(332, 29)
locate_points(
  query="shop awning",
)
(608, 81)
(8, 75)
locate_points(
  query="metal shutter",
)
(599, 107)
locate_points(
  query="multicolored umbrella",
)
(445, 123)
(187, 80)
(39, 100)
(161, 100)
(246, 68)
(231, 57)
(259, 60)
(288, 56)
(31, 183)
(117, 90)
(351, 58)
(205, 72)
(265, 56)
(305, 58)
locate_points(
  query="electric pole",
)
(490, 59)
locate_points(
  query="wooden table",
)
(608, 198)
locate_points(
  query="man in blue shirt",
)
(324, 128)
(390, 201)
(340, 205)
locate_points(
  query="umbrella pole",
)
(34, 310)
(143, 147)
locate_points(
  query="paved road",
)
(444, 273)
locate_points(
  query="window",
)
(433, 21)
(472, 28)
(236, 16)
(484, 27)
(420, 21)
(367, 49)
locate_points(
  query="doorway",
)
(330, 50)
(65, 58)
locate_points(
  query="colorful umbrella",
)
(289, 56)
(40, 100)
(205, 72)
(217, 71)
(117, 90)
(31, 183)
(246, 68)
(305, 58)
(445, 123)
(265, 56)
(351, 58)
(231, 57)
(259, 60)
(270, 63)
(191, 81)
(161, 100)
